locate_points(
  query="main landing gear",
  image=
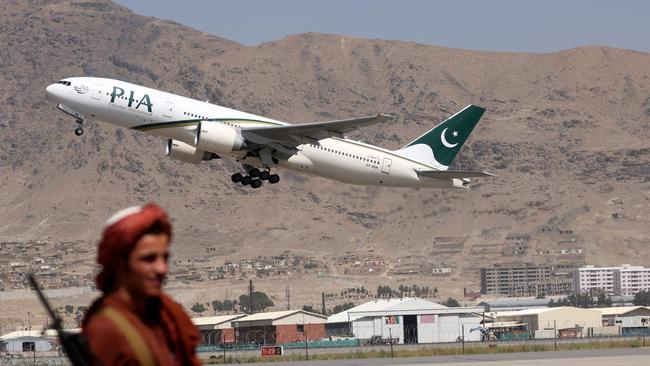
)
(255, 178)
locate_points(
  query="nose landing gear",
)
(80, 127)
(79, 118)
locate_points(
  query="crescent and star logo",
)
(81, 89)
(444, 141)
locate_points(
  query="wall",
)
(435, 328)
(568, 318)
(289, 333)
(367, 327)
(16, 345)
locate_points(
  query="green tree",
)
(217, 306)
(385, 291)
(642, 298)
(451, 302)
(261, 302)
(342, 307)
(310, 309)
(69, 309)
(603, 301)
(198, 308)
(583, 300)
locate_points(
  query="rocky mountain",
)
(567, 133)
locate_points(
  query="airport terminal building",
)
(406, 321)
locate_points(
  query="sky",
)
(496, 25)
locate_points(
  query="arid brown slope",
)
(565, 132)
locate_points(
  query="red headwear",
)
(122, 232)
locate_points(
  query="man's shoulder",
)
(99, 322)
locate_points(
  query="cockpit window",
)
(67, 83)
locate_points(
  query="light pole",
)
(644, 321)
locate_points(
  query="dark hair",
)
(156, 228)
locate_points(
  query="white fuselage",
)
(152, 111)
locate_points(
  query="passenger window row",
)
(194, 115)
(123, 97)
(319, 147)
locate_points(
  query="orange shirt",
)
(165, 333)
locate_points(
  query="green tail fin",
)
(445, 140)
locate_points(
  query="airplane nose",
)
(50, 89)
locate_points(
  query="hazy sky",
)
(496, 25)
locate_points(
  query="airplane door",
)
(97, 92)
(385, 168)
(168, 109)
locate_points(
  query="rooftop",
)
(216, 320)
(275, 315)
(383, 305)
(620, 310)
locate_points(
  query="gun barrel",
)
(56, 321)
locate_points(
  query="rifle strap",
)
(137, 344)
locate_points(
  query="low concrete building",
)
(630, 320)
(216, 330)
(569, 322)
(407, 320)
(280, 327)
(29, 341)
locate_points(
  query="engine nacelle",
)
(218, 138)
(181, 151)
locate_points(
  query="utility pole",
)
(644, 321)
(250, 297)
(555, 333)
(287, 294)
(390, 340)
(29, 327)
(323, 301)
(462, 327)
(304, 333)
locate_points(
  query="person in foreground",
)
(134, 322)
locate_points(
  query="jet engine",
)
(218, 138)
(179, 150)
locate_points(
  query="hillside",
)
(567, 134)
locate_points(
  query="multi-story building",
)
(623, 280)
(632, 279)
(527, 279)
(595, 279)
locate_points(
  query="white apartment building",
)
(632, 279)
(622, 280)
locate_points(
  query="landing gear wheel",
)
(236, 178)
(256, 183)
(274, 178)
(264, 175)
(254, 173)
(78, 131)
(246, 180)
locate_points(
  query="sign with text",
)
(271, 350)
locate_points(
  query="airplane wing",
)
(451, 174)
(292, 135)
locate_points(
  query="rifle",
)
(74, 345)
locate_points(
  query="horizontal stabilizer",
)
(452, 174)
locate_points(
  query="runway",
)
(601, 357)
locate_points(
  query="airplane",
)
(197, 131)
